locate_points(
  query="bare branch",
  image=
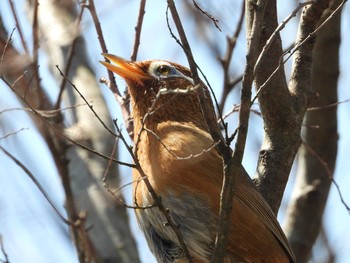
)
(275, 34)
(86, 102)
(331, 257)
(138, 29)
(95, 19)
(3, 251)
(37, 113)
(235, 108)
(282, 131)
(12, 133)
(174, 154)
(328, 106)
(231, 165)
(215, 21)
(138, 167)
(329, 173)
(44, 113)
(35, 64)
(4, 51)
(70, 55)
(294, 48)
(122, 100)
(199, 69)
(226, 60)
(316, 70)
(121, 201)
(18, 26)
(37, 184)
(134, 155)
(162, 208)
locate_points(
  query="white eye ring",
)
(162, 69)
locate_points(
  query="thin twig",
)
(331, 257)
(106, 184)
(233, 165)
(95, 19)
(105, 174)
(35, 65)
(193, 64)
(226, 60)
(222, 147)
(125, 103)
(234, 82)
(37, 184)
(111, 83)
(335, 104)
(3, 251)
(275, 34)
(120, 200)
(295, 48)
(157, 199)
(329, 174)
(70, 54)
(12, 133)
(86, 102)
(212, 18)
(138, 29)
(190, 156)
(312, 34)
(143, 177)
(18, 26)
(109, 164)
(235, 108)
(44, 113)
(8, 41)
(37, 113)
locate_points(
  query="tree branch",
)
(226, 60)
(138, 30)
(122, 100)
(3, 251)
(231, 161)
(304, 213)
(37, 184)
(281, 132)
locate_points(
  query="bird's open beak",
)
(126, 69)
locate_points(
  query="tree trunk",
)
(108, 236)
(317, 157)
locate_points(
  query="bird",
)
(173, 145)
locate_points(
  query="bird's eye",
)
(164, 70)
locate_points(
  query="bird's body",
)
(178, 155)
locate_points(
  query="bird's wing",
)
(257, 204)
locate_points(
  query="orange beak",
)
(126, 69)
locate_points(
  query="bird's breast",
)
(185, 171)
(179, 156)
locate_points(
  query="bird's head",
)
(164, 89)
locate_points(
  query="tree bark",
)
(281, 127)
(304, 214)
(109, 235)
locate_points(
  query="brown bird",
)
(176, 151)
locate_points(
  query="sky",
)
(28, 225)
